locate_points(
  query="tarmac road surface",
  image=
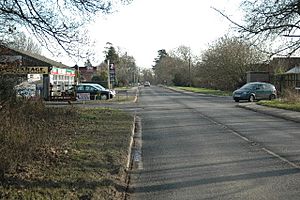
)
(203, 147)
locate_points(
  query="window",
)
(90, 88)
(80, 87)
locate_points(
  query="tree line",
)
(222, 66)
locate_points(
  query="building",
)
(55, 76)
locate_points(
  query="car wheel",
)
(104, 97)
(251, 98)
(272, 97)
(237, 100)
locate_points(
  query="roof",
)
(295, 70)
(36, 56)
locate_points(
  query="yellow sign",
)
(6, 69)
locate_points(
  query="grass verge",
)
(294, 106)
(86, 161)
(205, 91)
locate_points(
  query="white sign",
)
(83, 97)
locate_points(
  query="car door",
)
(259, 91)
(268, 91)
(92, 90)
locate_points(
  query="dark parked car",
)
(96, 91)
(255, 91)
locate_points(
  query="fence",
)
(287, 81)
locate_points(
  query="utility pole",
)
(108, 79)
(190, 82)
(108, 75)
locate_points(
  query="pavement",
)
(280, 113)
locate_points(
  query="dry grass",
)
(62, 153)
(291, 96)
(290, 100)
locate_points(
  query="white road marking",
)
(281, 158)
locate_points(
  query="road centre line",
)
(281, 158)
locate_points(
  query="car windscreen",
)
(100, 87)
(247, 87)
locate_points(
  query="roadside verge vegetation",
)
(62, 153)
(295, 106)
(289, 101)
(205, 91)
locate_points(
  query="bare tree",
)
(182, 52)
(275, 21)
(147, 75)
(126, 70)
(51, 22)
(22, 42)
(225, 63)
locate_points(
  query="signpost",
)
(112, 74)
(108, 75)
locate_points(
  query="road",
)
(202, 147)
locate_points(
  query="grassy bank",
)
(63, 153)
(205, 91)
(295, 106)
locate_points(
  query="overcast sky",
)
(146, 26)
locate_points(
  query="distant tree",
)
(183, 65)
(126, 70)
(88, 64)
(111, 54)
(22, 42)
(125, 65)
(161, 55)
(225, 63)
(165, 70)
(147, 75)
(182, 52)
(160, 67)
(174, 67)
